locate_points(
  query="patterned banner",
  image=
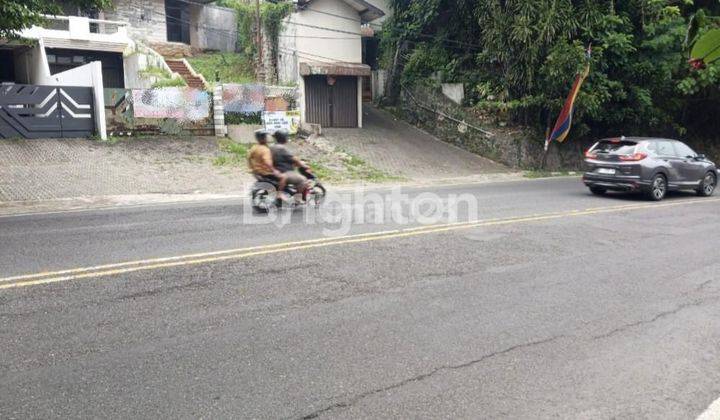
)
(244, 99)
(178, 103)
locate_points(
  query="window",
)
(616, 147)
(683, 151)
(7, 72)
(664, 148)
(648, 147)
(177, 16)
(112, 63)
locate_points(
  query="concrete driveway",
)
(400, 149)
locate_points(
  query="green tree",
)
(271, 17)
(522, 55)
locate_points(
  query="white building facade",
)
(320, 50)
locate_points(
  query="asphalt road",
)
(549, 303)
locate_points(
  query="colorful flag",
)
(564, 121)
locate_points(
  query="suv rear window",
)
(615, 147)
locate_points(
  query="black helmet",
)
(261, 133)
(281, 136)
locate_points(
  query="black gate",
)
(331, 101)
(33, 112)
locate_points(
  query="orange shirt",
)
(260, 160)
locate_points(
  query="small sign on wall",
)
(282, 120)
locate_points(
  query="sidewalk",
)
(56, 169)
(66, 175)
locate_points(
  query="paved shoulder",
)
(47, 169)
(401, 149)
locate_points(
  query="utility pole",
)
(258, 40)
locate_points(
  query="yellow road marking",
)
(176, 258)
(240, 253)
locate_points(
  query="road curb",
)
(109, 202)
(74, 204)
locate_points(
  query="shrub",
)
(174, 82)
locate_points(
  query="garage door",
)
(331, 101)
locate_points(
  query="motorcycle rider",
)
(260, 159)
(286, 163)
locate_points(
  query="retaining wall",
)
(517, 147)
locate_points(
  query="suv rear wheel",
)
(598, 190)
(658, 188)
(708, 184)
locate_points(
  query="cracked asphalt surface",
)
(612, 315)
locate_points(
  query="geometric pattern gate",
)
(32, 111)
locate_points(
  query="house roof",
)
(309, 68)
(367, 11)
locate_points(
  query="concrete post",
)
(360, 101)
(219, 112)
(99, 99)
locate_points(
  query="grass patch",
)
(358, 169)
(323, 172)
(533, 174)
(353, 169)
(231, 67)
(234, 154)
(113, 140)
(156, 72)
(174, 82)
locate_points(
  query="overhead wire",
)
(234, 32)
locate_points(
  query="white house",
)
(120, 39)
(320, 50)
(110, 49)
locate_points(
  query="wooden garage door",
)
(331, 105)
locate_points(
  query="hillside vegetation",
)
(518, 58)
(230, 67)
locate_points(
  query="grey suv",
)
(651, 165)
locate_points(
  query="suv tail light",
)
(590, 154)
(634, 157)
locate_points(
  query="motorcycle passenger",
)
(286, 163)
(260, 159)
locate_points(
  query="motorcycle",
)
(265, 198)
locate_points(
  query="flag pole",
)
(547, 141)
(544, 156)
(564, 121)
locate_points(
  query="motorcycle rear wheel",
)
(262, 200)
(318, 194)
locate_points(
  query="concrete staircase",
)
(187, 73)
